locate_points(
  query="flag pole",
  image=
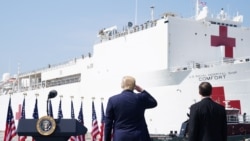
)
(10, 93)
(24, 95)
(72, 138)
(60, 114)
(102, 121)
(35, 114)
(72, 108)
(23, 116)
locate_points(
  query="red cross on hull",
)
(223, 40)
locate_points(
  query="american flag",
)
(35, 114)
(80, 119)
(72, 138)
(22, 138)
(102, 123)
(95, 128)
(72, 110)
(10, 129)
(60, 113)
(50, 109)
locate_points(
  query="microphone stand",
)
(52, 94)
(48, 107)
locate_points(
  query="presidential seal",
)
(46, 125)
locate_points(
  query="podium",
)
(64, 128)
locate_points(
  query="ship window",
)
(63, 80)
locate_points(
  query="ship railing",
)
(15, 88)
(34, 86)
(160, 137)
(50, 83)
(196, 65)
(63, 81)
(232, 118)
(6, 87)
(238, 118)
(126, 30)
(244, 118)
(54, 66)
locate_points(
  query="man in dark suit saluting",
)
(125, 119)
(208, 120)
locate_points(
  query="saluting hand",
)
(138, 88)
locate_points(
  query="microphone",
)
(52, 94)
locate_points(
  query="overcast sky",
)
(35, 33)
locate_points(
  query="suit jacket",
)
(125, 116)
(207, 121)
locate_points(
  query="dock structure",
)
(87, 137)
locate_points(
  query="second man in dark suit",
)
(208, 120)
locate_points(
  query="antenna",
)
(136, 12)
(152, 13)
(18, 68)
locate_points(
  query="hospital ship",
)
(169, 57)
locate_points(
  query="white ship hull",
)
(168, 57)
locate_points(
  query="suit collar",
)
(206, 98)
(127, 91)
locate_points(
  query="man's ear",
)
(122, 85)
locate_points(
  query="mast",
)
(197, 8)
(136, 12)
(152, 13)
